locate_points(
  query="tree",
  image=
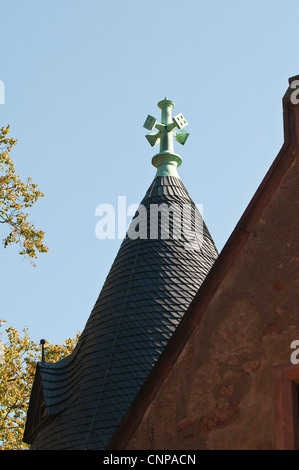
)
(15, 198)
(17, 369)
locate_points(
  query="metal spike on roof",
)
(42, 343)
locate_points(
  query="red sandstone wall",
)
(220, 392)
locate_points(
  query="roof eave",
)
(37, 399)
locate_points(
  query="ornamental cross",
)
(166, 128)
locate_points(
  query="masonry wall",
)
(220, 393)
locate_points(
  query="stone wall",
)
(220, 392)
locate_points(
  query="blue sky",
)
(80, 78)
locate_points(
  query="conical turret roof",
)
(150, 285)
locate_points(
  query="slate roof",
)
(147, 291)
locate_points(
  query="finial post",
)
(166, 139)
(166, 161)
(42, 342)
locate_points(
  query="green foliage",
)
(17, 369)
(15, 198)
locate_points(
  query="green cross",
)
(166, 128)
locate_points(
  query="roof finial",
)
(42, 342)
(166, 160)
